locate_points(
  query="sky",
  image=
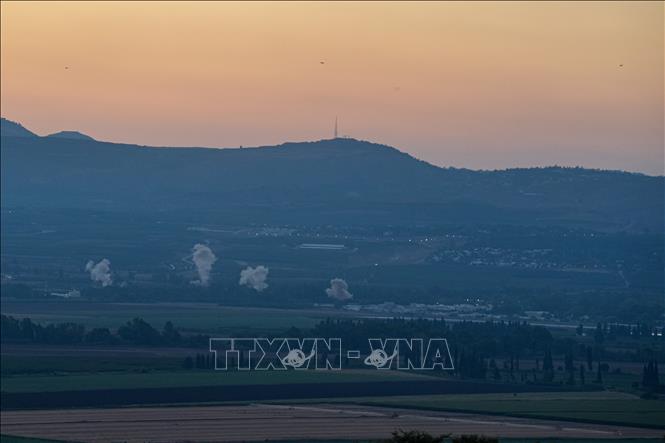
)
(478, 85)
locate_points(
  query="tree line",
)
(135, 332)
(496, 349)
(479, 350)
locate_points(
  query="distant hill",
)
(73, 135)
(14, 129)
(338, 181)
(9, 128)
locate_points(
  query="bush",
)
(401, 436)
(475, 439)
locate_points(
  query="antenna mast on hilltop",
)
(335, 127)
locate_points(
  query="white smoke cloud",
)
(203, 258)
(254, 278)
(339, 290)
(100, 272)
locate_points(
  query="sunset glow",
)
(478, 85)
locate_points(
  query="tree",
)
(138, 331)
(27, 329)
(474, 439)
(10, 328)
(548, 367)
(650, 377)
(99, 336)
(589, 358)
(569, 365)
(170, 334)
(471, 365)
(495, 370)
(599, 336)
(63, 333)
(401, 436)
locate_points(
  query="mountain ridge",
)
(337, 142)
(334, 181)
(84, 137)
(72, 135)
(14, 129)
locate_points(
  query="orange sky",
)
(479, 85)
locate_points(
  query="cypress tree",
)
(548, 367)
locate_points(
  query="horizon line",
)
(343, 137)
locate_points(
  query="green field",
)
(203, 317)
(41, 368)
(602, 407)
(72, 364)
(593, 406)
(14, 439)
(161, 379)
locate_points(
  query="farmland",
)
(120, 373)
(168, 379)
(189, 316)
(254, 392)
(285, 422)
(522, 269)
(590, 406)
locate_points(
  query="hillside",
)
(338, 181)
(74, 135)
(9, 128)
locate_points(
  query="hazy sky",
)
(479, 85)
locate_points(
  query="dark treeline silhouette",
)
(493, 349)
(199, 361)
(135, 332)
(474, 346)
(650, 376)
(414, 436)
(489, 350)
(504, 339)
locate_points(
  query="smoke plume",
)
(254, 278)
(339, 290)
(100, 272)
(203, 258)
